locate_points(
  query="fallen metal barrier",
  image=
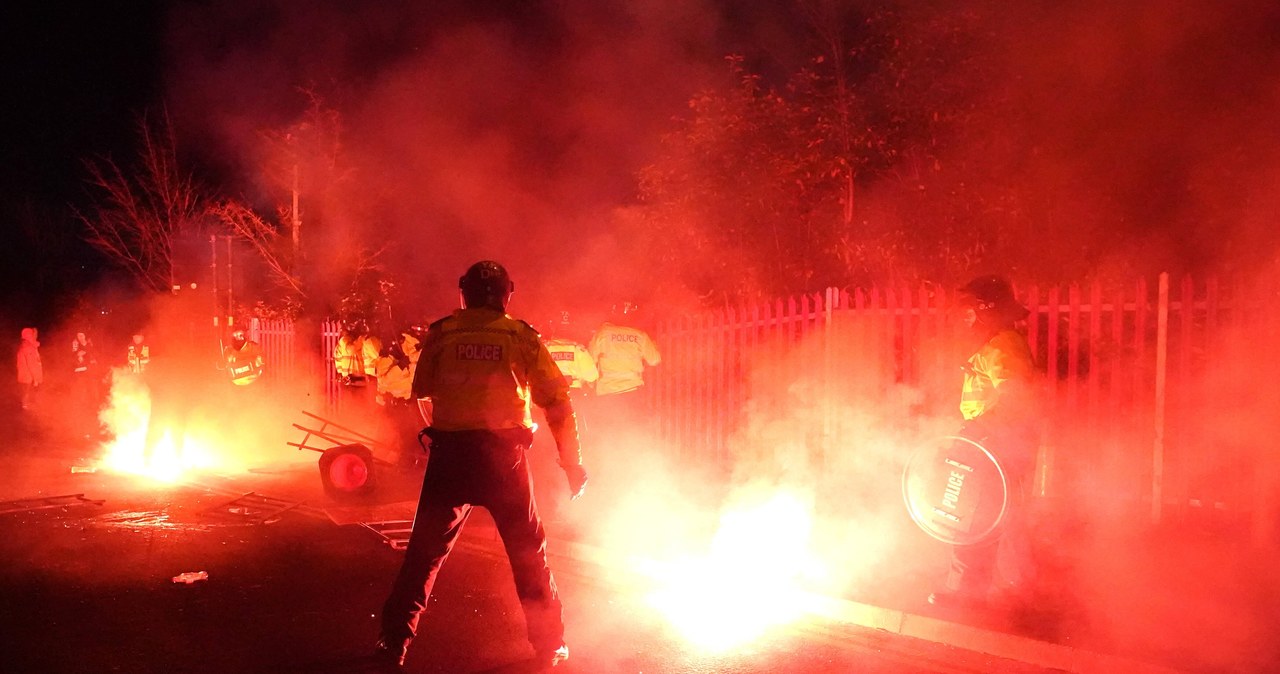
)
(393, 532)
(47, 502)
(260, 509)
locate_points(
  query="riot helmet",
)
(355, 327)
(992, 300)
(486, 284)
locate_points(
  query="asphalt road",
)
(88, 587)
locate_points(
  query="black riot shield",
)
(956, 490)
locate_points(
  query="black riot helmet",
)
(486, 284)
(992, 299)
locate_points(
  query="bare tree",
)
(140, 211)
(272, 247)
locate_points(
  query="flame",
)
(748, 582)
(127, 417)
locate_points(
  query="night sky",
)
(79, 75)
(492, 129)
(75, 73)
(74, 76)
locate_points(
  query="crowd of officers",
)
(481, 371)
(89, 370)
(611, 363)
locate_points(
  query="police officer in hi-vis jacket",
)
(575, 362)
(1000, 405)
(481, 370)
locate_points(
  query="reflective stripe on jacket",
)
(1005, 357)
(244, 364)
(356, 356)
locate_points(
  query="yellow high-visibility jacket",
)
(482, 369)
(244, 364)
(356, 356)
(621, 353)
(139, 356)
(1003, 363)
(574, 361)
(395, 381)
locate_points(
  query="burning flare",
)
(748, 582)
(127, 418)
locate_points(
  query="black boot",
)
(389, 653)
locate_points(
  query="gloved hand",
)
(976, 429)
(577, 480)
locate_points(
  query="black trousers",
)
(468, 469)
(1004, 562)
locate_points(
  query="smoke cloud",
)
(1128, 139)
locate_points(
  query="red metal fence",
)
(1124, 371)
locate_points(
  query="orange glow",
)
(126, 418)
(748, 582)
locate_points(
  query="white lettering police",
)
(951, 493)
(480, 352)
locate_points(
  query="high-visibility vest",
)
(621, 353)
(244, 364)
(356, 356)
(482, 369)
(395, 381)
(1005, 357)
(574, 361)
(139, 357)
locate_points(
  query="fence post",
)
(1162, 362)
(828, 345)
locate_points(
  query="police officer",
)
(30, 369)
(244, 359)
(621, 352)
(85, 384)
(355, 354)
(138, 356)
(395, 369)
(571, 356)
(481, 369)
(999, 403)
(355, 360)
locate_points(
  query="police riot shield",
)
(956, 491)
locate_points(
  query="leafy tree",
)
(839, 175)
